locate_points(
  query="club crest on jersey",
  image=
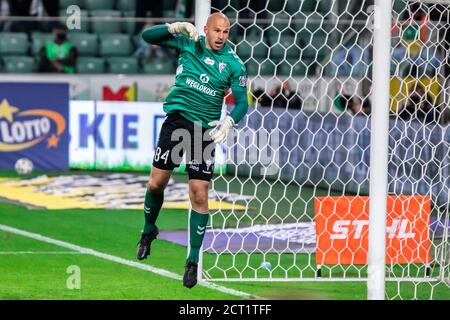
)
(209, 61)
(179, 69)
(222, 66)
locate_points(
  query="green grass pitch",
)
(33, 269)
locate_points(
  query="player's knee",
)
(199, 196)
(155, 186)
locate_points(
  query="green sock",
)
(152, 206)
(197, 225)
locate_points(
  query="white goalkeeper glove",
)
(220, 132)
(185, 28)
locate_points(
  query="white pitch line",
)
(130, 263)
(38, 252)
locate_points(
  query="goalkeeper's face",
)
(216, 31)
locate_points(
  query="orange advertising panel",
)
(342, 228)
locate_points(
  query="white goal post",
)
(332, 84)
(379, 146)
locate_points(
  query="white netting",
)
(307, 135)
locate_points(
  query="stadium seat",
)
(274, 39)
(308, 6)
(129, 26)
(267, 68)
(115, 45)
(292, 48)
(18, 64)
(282, 22)
(234, 32)
(253, 32)
(319, 44)
(38, 40)
(230, 13)
(298, 22)
(135, 40)
(90, 65)
(270, 31)
(99, 4)
(286, 44)
(86, 43)
(298, 68)
(244, 49)
(400, 6)
(292, 6)
(159, 66)
(13, 43)
(309, 53)
(283, 69)
(103, 26)
(64, 4)
(252, 67)
(325, 6)
(122, 65)
(318, 39)
(126, 5)
(277, 51)
(304, 38)
(324, 55)
(274, 5)
(314, 22)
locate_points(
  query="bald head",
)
(216, 17)
(216, 31)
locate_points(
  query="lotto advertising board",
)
(34, 124)
(342, 224)
(117, 135)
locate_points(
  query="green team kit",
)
(202, 78)
(194, 104)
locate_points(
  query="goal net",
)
(300, 158)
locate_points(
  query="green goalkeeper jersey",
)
(202, 78)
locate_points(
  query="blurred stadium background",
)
(309, 62)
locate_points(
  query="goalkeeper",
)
(207, 68)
